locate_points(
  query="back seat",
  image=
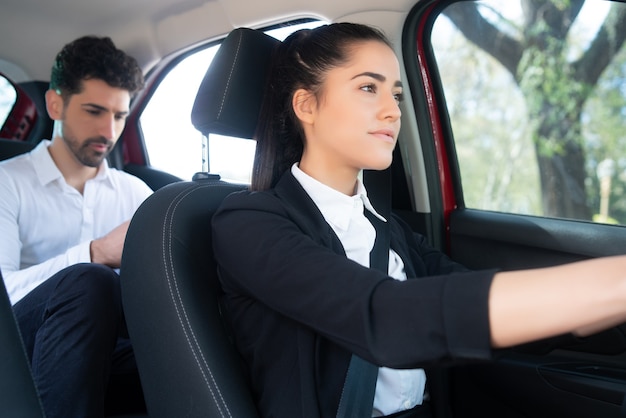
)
(10, 148)
(27, 121)
(155, 179)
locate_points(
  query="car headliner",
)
(33, 31)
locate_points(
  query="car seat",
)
(18, 395)
(187, 363)
(27, 121)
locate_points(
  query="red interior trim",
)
(21, 119)
(443, 164)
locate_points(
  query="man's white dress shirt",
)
(47, 225)
(396, 390)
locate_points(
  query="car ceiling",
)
(33, 31)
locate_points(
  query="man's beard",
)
(84, 153)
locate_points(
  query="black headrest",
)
(229, 98)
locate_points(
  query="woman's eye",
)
(370, 88)
(399, 97)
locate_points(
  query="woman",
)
(293, 253)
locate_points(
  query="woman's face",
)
(353, 122)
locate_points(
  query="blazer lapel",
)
(305, 213)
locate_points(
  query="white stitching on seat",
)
(230, 75)
(180, 309)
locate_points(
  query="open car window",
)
(537, 104)
(8, 96)
(173, 144)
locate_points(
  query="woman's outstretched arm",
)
(581, 298)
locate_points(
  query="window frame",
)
(136, 150)
(436, 135)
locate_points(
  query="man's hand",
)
(108, 249)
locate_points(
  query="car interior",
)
(187, 362)
(169, 250)
(29, 119)
(198, 371)
(18, 394)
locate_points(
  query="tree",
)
(555, 89)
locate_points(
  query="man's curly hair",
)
(92, 57)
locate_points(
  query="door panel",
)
(483, 239)
(507, 130)
(559, 377)
(520, 385)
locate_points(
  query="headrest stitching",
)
(230, 75)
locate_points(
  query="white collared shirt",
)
(396, 390)
(47, 225)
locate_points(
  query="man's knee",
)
(93, 284)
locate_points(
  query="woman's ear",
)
(304, 105)
(54, 104)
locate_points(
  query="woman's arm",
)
(581, 298)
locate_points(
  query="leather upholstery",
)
(187, 363)
(10, 148)
(18, 396)
(230, 95)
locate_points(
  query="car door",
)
(519, 119)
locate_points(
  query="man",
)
(63, 219)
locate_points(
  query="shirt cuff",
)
(79, 254)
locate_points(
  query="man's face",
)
(92, 121)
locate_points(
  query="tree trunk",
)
(555, 89)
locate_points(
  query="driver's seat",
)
(187, 363)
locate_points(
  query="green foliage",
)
(546, 111)
(604, 130)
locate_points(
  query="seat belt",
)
(357, 396)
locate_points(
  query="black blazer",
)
(299, 308)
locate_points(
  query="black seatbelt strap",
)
(359, 387)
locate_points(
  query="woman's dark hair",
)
(300, 61)
(92, 57)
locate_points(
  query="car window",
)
(172, 142)
(8, 96)
(537, 105)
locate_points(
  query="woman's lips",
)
(386, 135)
